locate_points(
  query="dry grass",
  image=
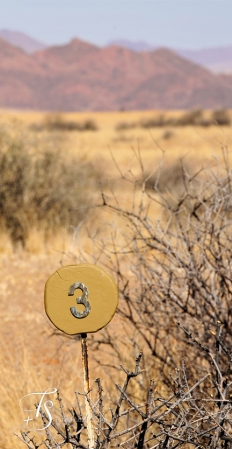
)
(201, 142)
(30, 360)
(39, 188)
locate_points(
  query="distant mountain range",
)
(134, 46)
(21, 40)
(81, 76)
(218, 59)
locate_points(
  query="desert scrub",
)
(169, 177)
(221, 117)
(41, 189)
(190, 415)
(194, 117)
(171, 257)
(57, 122)
(121, 126)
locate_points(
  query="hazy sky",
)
(172, 23)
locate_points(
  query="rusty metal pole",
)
(85, 364)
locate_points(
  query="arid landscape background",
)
(115, 150)
(104, 148)
(71, 78)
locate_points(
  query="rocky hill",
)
(80, 76)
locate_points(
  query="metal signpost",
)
(89, 312)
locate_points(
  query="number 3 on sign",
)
(99, 298)
(83, 299)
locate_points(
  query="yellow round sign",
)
(80, 298)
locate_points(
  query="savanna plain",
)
(58, 172)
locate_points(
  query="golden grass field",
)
(197, 142)
(31, 359)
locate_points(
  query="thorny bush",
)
(173, 270)
(193, 414)
(172, 260)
